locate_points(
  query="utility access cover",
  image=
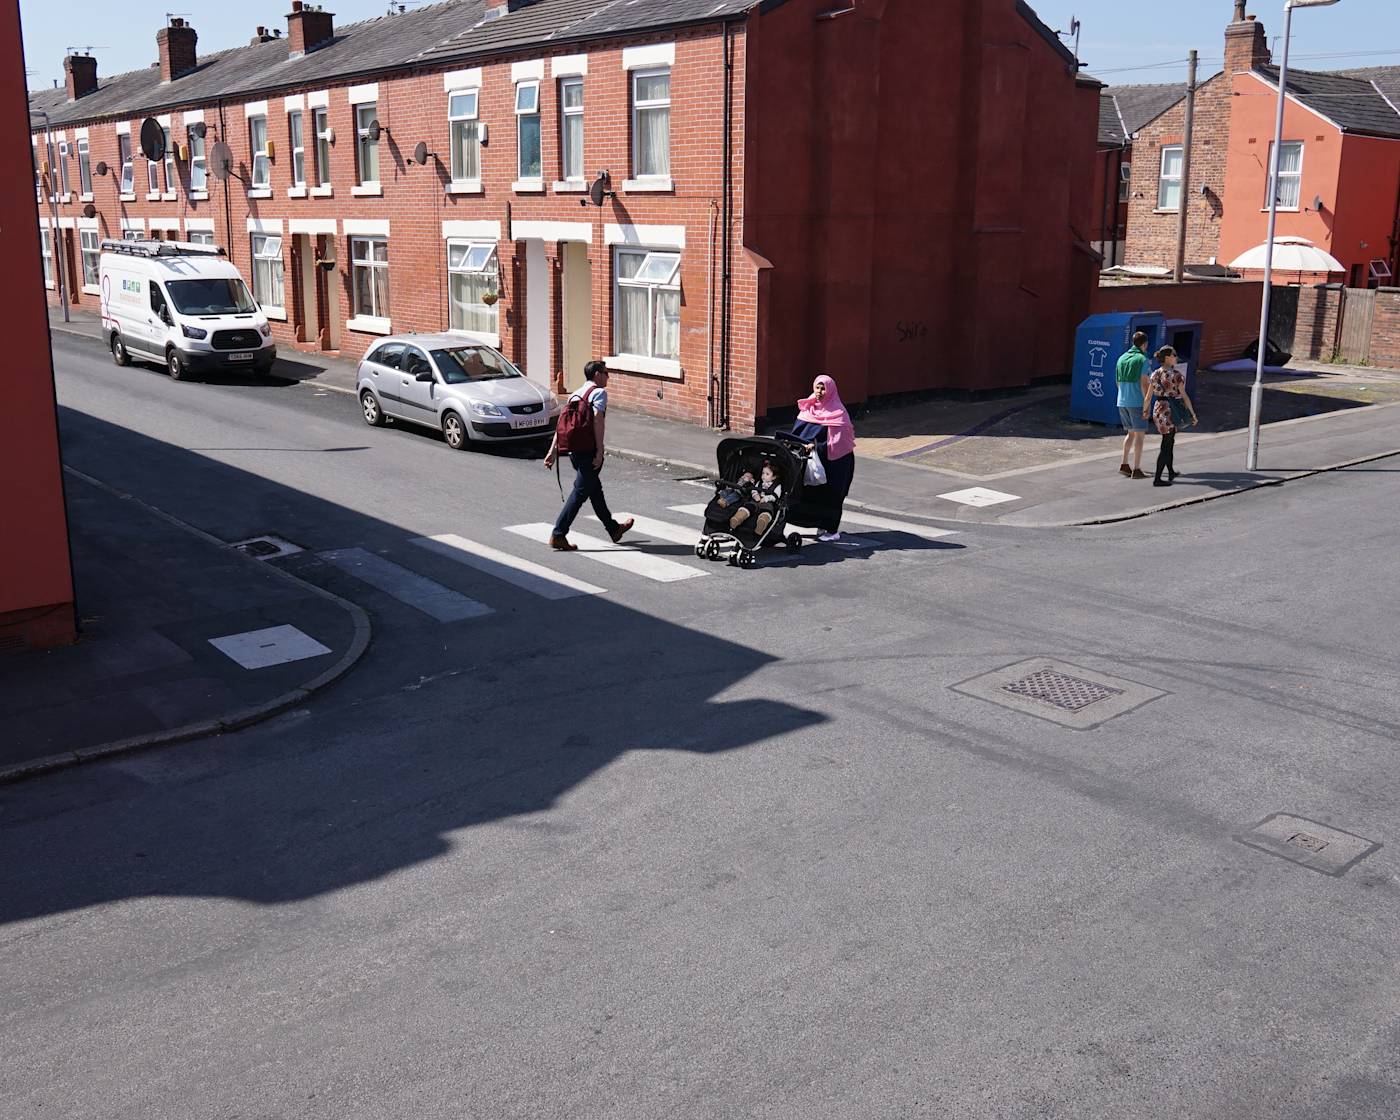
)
(1310, 844)
(1067, 694)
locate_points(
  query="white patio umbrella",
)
(1291, 254)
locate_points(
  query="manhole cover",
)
(266, 547)
(1050, 686)
(1310, 844)
(1066, 694)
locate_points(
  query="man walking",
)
(580, 436)
(1131, 375)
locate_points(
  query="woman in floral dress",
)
(1169, 407)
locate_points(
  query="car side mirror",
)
(425, 375)
(165, 315)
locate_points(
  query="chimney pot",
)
(308, 29)
(176, 45)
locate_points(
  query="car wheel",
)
(374, 415)
(175, 365)
(454, 431)
(119, 353)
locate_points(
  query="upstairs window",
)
(172, 179)
(527, 119)
(366, 150)
(466, 136)
(84, 168)
(152, 177)
(1290, 174)
(124, 155)
(321, 122)
(63, 167)
(651, 124)
(199, 166)
(648, 303)
(46, 247)
(257, 144)
(571, 129)
(1169, 179)
(298, 145)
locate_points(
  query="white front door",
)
(578, 312)
(538, 360)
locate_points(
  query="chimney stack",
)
(176, 44)
(1246, 45)
(80, 74)
(495, 8)
(308, 28)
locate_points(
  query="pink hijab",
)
(832, 415)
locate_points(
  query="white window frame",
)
(1284, 177)
(63, 188)
(467, 125)
(1125, 182)
(199, 236)
(296, 143)
(84, 168)
(172, 177)
(521, 115)
(365, 114)
(1164, 180)
(566, 114)
(663, 362)
(152, 179)
(361, 262)
(491, 264)
(90, 246)
(638, 106)
(269, 273)
(261, 178)
(46, 252)
(199, 163)
(321, 126)
(133, 235)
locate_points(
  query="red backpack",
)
(575, 431)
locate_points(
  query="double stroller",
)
(736, 457)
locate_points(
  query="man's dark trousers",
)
(587, 487)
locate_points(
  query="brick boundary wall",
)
(1385, 330)
(1229, 312)
(1315, 334)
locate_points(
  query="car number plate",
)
(531, 421)
(241, 356)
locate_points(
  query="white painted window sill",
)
(296, 192)
(648, 186)
(528, 186)
(260, 192)
(1173, 210)
(491, 340)
(278, 313)
(169, 196)
(85, 197)
(199, 196)
(1281, 210)
(65, 198)
(570, 186)
(51, 287)
(91, 290)
(651, 367)
(367, 190)
(326, 191)
(153, 196)
(464, 186)
(368, 324)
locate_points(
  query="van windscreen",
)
(214, 296)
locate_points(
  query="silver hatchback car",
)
(467, 390)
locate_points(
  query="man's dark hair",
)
(1140, 339)
(595, 367)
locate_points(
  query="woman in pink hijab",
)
(824, 424)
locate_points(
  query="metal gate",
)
(1358, 312)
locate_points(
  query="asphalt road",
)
(730, 845)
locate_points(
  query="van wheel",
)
(454, 431)
(119, 354)
(369, 404)
(175, 365)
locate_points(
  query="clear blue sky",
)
(1116, 33)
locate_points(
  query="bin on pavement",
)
(1098, 344)
(1184, 336)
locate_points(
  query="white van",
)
(182, 305)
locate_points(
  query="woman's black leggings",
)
(1165, 455)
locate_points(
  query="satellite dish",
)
(89, 211)
(152, 140)
(220, 160)
(197, 130)
(420, 153)
(374, 131)
(598, 191)
(101, 168)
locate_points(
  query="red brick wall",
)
(1315, 334)
(1229, 313)
(1385, 329)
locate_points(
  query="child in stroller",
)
(752, 498)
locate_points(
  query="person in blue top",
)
(1131, 375)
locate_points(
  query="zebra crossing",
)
(658, 551)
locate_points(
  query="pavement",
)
(154, 596)
(1017, 459)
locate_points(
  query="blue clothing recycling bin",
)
(1098, 344)
(1184, 336)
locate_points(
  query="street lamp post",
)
(1256, 395)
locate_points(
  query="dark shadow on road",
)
(440, 727)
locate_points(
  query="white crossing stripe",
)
(419, 592)
(525, 574)
(661, 530)
(616, 555)
(864, 520)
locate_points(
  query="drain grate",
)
(267, 547)
(1311, 844)
(1307, 840)
(1070, 694)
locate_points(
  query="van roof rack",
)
(151, 248)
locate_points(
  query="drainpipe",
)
(710, 305)
(726, 281)
(1117, 204)
(55, 235)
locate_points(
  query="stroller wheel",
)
(748, 559)
(733, 559)
(701, 548)
(794, 541)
